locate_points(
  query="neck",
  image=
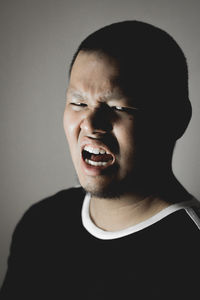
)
(113, 214)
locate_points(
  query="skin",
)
(94, 115)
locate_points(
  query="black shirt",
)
(54, 257)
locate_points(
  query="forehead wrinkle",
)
(101, 96)
(111, 95)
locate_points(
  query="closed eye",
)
(124, 109)
(78, 104)
(120, 108)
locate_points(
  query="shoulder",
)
(59, 209)
(180, 227)
(193, 212)
(64, 199)
(183, 216)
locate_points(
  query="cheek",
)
(125, 135)
(70, 125)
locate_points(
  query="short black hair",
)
(152, 67)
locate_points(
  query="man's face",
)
(99, 123)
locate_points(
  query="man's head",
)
(128, 97)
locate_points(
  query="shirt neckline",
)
(109, 235)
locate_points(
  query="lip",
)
(95, 170)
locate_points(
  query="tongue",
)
(101, 157)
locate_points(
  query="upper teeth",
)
(94, 150)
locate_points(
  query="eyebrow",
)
(76, 94)
(104, 96)
(107, 96)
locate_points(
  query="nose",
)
(97, 121)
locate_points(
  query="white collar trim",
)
(109, 235)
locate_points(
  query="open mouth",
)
(97, 157)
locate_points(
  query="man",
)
(132, 230)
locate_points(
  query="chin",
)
(102, 193)
(110, 190)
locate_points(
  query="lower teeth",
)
(95, 163)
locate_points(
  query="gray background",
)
(38, 39)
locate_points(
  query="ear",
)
(182, 120)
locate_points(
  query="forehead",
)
(94, 73)
(78, 94)
(95, 61)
